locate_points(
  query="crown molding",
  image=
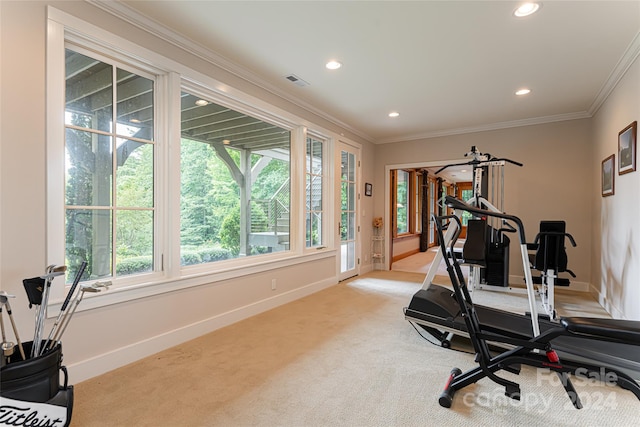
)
(628, 58)
(130, 15)
(490, 126)
(149, 25)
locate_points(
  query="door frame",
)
(388, 233)
(356, 150)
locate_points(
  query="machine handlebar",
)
(454, 203)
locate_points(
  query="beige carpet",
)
(419, 263)
(342, 357)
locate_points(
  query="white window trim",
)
(173, 78)
(327, 189)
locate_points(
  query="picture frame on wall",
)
(608, 176)
(627, 148)
(368, 189)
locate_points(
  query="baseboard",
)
(367, 268)
(606, 304)
(574, 286)
(89, 368)
(405, 255)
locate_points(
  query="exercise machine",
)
(538, 351)
(488, 193)
(550, 259)
(437, 311)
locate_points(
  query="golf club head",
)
(88, 288)
(4, 297)
(58, 271)
(95, 287)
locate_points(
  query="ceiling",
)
(446, 66)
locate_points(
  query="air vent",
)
(296, 80)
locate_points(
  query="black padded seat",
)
(625, 330)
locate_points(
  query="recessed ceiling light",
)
(226, 142)
(394, 114)
(523, 92)
(135, 120)
(333, 65)
(201, 103)
(527, 9)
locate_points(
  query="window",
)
(404, 201)
(314, 191)
(159, 179)
(235, 190)
(109, 168)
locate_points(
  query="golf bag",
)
(31, 392)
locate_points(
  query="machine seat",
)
(626, 330)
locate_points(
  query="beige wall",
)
(104, 338)
(553, 184)
(615, 257)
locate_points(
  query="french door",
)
(349, 227)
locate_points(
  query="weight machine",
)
(488, 193)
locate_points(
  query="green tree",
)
(230, 232)
(197, 223)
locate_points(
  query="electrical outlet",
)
(273, 284)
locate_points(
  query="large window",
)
(159, 179)
(109, 167)
(314, 191)
(235, 183)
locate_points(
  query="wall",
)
(405, 246)
(615, 257)
(551, 185)
(102, 339)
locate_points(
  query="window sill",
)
(123, 293)
(406, 237)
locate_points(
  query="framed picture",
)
(627, 149)
(368, 189)
(608, 176)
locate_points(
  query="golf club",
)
(91, 288)
(52, 272)
(67, 299)
(7, 347)
(4, 300)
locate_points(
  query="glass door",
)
(348, 225)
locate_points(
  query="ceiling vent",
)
(296, 80)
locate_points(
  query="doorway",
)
(349, 227)
(410, 246)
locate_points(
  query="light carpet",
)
(344, 356)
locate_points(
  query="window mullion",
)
(168, 157)
(114, 167)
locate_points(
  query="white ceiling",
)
(447, 66)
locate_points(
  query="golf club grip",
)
(76, 280)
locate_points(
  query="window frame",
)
(325, 141)
(171, 78)
(206, 93)
(412, 198)
(114, 207)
